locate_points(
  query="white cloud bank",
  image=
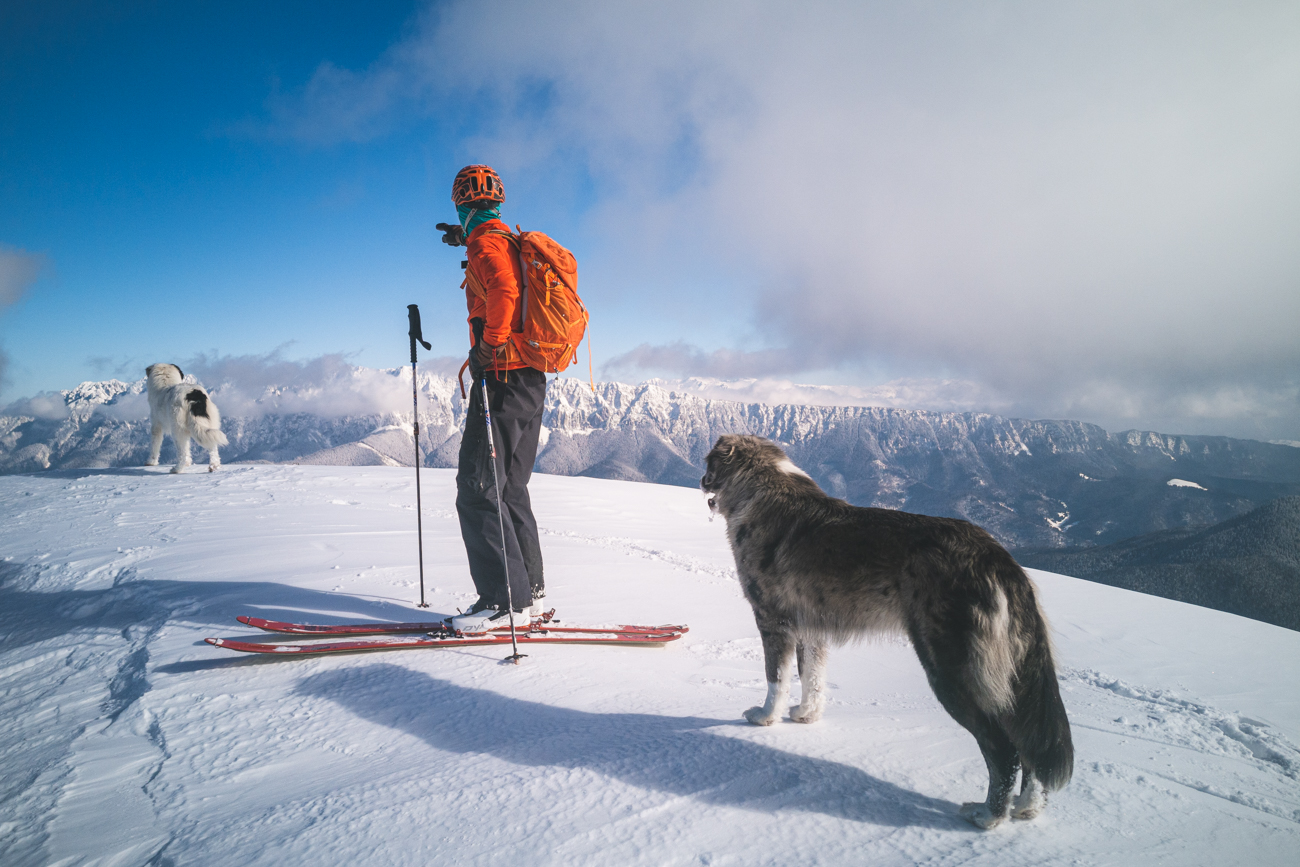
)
(1089, 209)
(328, 386)
(252, 386)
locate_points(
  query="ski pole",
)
(413, 318)
(505, 566)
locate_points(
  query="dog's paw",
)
(800, 714)
(759, 716)
(151, 463)
(212, 468)
(1024, 814)
(1028, 808)
(978, 814)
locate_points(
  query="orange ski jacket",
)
(492, 289)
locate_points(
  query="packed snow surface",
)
(126, 740)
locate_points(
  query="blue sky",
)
(1077, 210)
(167, 229)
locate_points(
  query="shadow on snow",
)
(29, 615)
(682, 756)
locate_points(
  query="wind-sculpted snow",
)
(1031, 483)
(127, 740)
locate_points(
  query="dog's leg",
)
(155, 443)
(812, 675)
(945, 670)
(1032, 799)
(1003, 763)
(214, 459)
(183, 459)
(778, 656)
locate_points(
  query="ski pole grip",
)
(416, 335)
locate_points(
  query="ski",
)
(448, 639)
(347, 629)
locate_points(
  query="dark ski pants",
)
(516, 398)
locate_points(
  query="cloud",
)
(682, 358)
(328, 386)
(1082, 207)
(253, 386)
(49, 406)
(18, 271)
(129, 406)
(128, 366)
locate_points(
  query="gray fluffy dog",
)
(184, 411)
(819, 571)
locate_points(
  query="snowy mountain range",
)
(1043, 484)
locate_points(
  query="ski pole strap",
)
(416, 335)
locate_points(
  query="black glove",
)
(453, 234)
(482, 357)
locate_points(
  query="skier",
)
(516, 393)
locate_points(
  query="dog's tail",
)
(211, 438)
(1011, 673)
(1037, 722)
(205, 420)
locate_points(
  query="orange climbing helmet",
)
(475, 184)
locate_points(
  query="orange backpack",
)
(553, 317)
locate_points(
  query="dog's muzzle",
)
(710, 497)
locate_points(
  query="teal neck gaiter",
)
(471, 219)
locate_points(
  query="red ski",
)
(414, 642)
(345, 629)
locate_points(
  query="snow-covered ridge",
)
(1031, 482)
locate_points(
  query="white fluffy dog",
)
(185, 412)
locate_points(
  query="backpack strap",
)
(518, 241)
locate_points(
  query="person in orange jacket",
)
(516, 393)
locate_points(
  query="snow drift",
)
(129, 741)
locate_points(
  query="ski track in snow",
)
(128, 741)
(633, 548)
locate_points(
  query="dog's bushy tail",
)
(210, 438)
(1036, 722)
(205, 420)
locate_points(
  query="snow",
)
(935, 395)
(1183, 483)
(129, 741)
